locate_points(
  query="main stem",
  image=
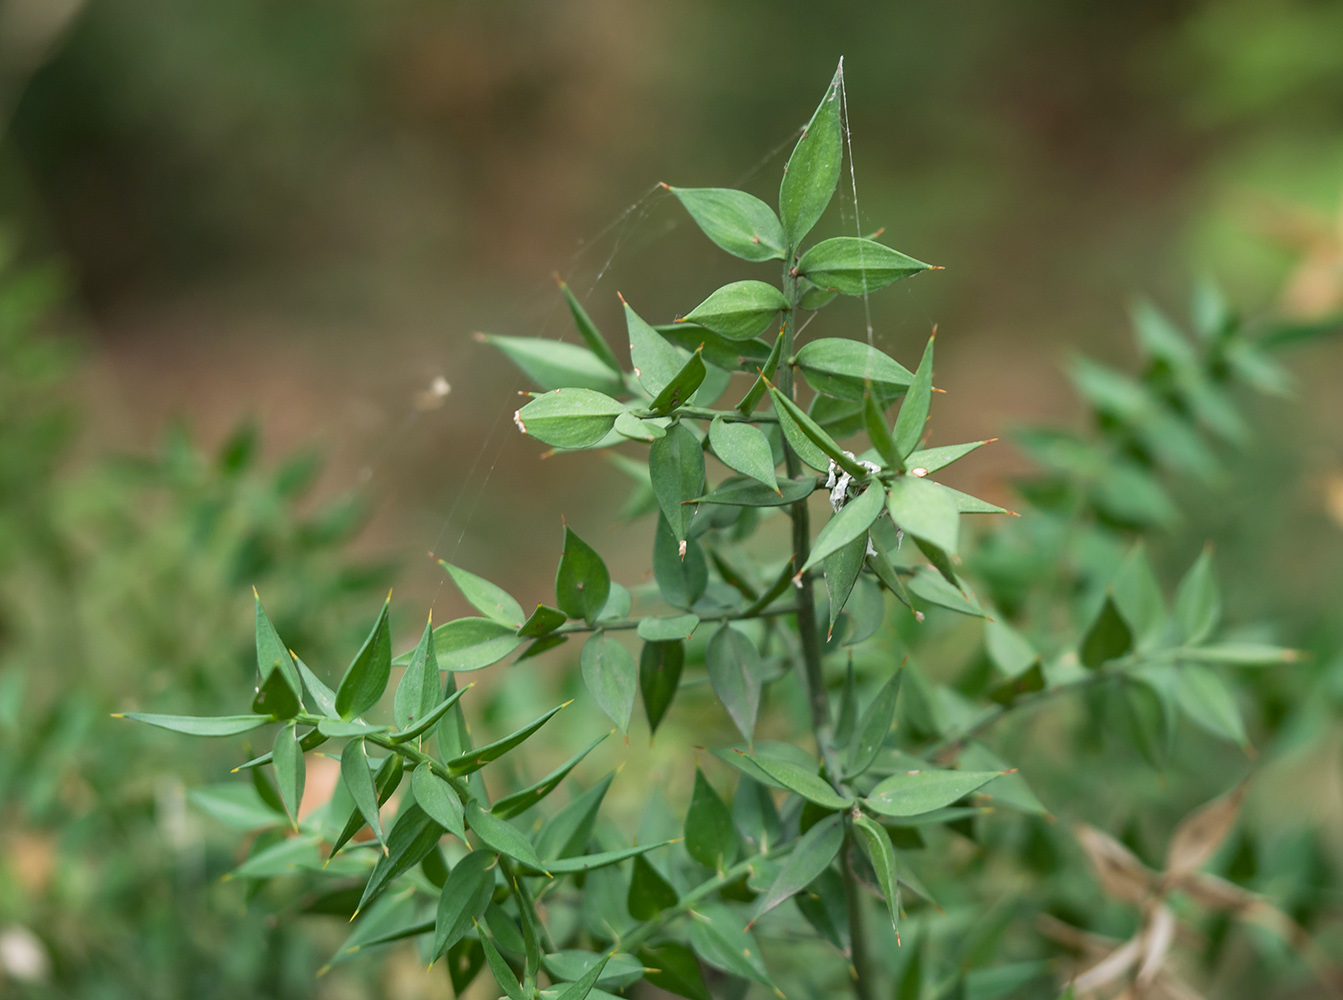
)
(817, 698)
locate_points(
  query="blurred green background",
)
(296, 212)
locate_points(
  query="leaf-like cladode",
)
(465, 895)
(501, 836)
(740, 223)
(909, 422)
(366, 678)
(413, 835)
(611, 676)
(419, 689)
(487, 598)
(876, 844)
(846, 368)
(676, 470)
(289, 769)
(849, 524)
(807, 783)
(437, 798)
(357, 775)
(710, 837)
(553, 364)
(744, 448)
(279, 690)
(582, 582)
(521, 801)
(660, 666)
(812, 171)
(649, 893)
(739, 310)
(871, 733)
(474, 760)
(569, 418)
(741, 492)
(922, 791)
(1108, 637)
(812, 855)
(855, 266)
(734, 671)
(193, 725)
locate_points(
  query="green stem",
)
(705, 889)
(818, 699)
(706, 413)
(619, 624)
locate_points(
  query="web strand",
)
(853, 187)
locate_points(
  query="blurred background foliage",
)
(292, 215)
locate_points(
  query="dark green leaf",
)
(671, 966)
(916, 792)
(582, 583)
(504, 977)
(366, 678)
(656, 361)
(604, 859)
(650, 893)
(710, 837)
(419, 689)
(386, 781)
(682, 386)
(734, 671)
(519, 802)
(841, 573)
(681, 577)
(280, 690)
(610, 675)
(466, 894)
(474, 760)
(322, 696)
(812, 171)
(812, 444)
(739, 310)
(676, 470)
(740, 223)
(412, 836)
(437, 798)
(765, 372)
(719, 937)
(553, 364)
(580, 988)
(748, 493)
(569, 418)
(660, 666)
(588, 330)
(568, 831)
(876, 844)
(909, 422)
(811, 856)
(432, 716)
(855, 266)
(1108, 637)
(543, 621)
(876, 726)
(874, 422)
(743, 447)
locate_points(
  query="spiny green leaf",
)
(846, 368)
(924, 511)
(682, 386)
(419, 689)
(739, 310)
(437, 798)
(848, 524)
(279, 692)
(501, 836)
(289, 769)
(357, 775)
(465, 895)
(413, 835)
(740, 223)
(671, 966)
(366, 678)
(542, 621)
(748, 493)
(676, 470)
(490, 600)
(474, 760)
(720, 938)
(766, 372)
(588, 329)
(569, 418)
(581, 987)
(806, 783)
(604, 859)
(932, 459)
(876, 844)
(913, 413)
(430, 717)
(812, 444)
(520, 801)
(649, 893)
(553, 364)
(471, 644)
(874, 422)
(812, 171)
(876, 726)
(656, 361)
(582, 583)
(191, 725)
(855, 266)
(1198, 603)
(916, 792)
(811, 856)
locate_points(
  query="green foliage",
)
(557, 901)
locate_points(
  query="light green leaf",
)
(739, 310)
(740, 223)
(340, 729)
(429, 718)
(604, 859)
(812, 855)
(844, 368)
(744, 447)
(876, 726)
(933, 588)
(610, 675)
(491, 601)
(472, 644)
(501, 836)
(581, 987)
(279, 691)
(569, 418)
(1198, 602)
(235, 805)
(924, 511)
(913, 415)
(850, 523)
(639, 429)
(656, 361)
(437, 798)
(671, 966)
(812, 444)
(681, 576)
(807, 783)
(1241, 654)
(812, 171)
(553, 364)
(588, 330)
(855, 266)
(420, 689)
(542, 621)
(720, 938)
(917, 792)
(412, 836)
(734, 671)
(1205, 698)
(742, 493)
(582, 583)
(668, 629)
(322, 696)
(876, 844)
(192, 725)
(932, 459)
(357, 775)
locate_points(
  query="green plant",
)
(891, 758)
